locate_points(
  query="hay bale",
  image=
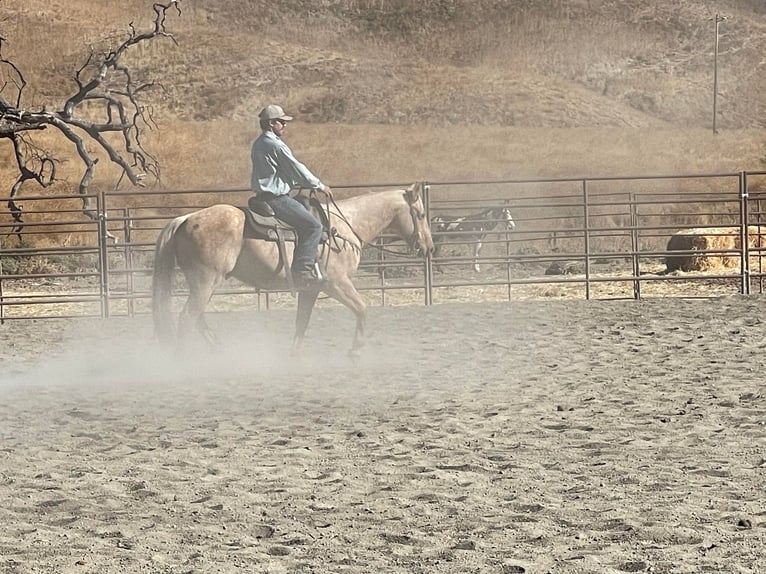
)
(697, 241)
(565, 268)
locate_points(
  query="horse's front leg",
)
(207, 333)
(306, 301)
(476, 250)
(345, 292)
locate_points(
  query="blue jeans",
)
(307, 228)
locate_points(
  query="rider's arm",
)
(300, 175)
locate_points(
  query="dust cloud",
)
(120, 357)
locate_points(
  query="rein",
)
(386, 250)
(331, 201)
(332, 231)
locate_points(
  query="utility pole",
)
(718, 19)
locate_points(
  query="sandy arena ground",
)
(532, 436)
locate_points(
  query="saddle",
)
(261, 223)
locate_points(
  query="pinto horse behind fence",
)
(470, 229)
(208, 245)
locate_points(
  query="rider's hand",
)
(327, 191)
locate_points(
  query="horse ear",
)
(413, 191)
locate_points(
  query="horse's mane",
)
(367, 194)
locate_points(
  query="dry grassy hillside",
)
(391, 90)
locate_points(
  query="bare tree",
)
(104, 82)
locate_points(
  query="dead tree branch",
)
(107, 85)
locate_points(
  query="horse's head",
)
(507, 219)
(415, 228)
(501, 218)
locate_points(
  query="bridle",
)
(507, 218)
(417, 216)
(503, 216)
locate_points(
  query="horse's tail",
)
(162, 281)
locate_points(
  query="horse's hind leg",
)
(201, 288)
(206, 332)
(306, 301)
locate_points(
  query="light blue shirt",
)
(275, 168)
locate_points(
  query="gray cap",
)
(274, 112)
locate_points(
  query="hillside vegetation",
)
(393, 90)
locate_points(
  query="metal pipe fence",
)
(590, 238)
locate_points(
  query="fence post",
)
(2, 307)
(586, 236)
(103, 240)
(758, 222)
(508, 272)
(634, 246)
(381, 259)
(429, 262)
(127, 227)
(744, 235)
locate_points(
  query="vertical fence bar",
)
(2, 306)
(586, 236)
(744, 236)
(759, 223)
(761, 255)
(127, 228)
(634, 245)
(508, 273)
(381, 258)
(103, 248)
(428, 268)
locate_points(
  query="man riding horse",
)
(276, 172)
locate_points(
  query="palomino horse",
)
(208, 245)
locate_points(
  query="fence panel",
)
(603, 238)
(50, 263)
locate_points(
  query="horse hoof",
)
(355, 355)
